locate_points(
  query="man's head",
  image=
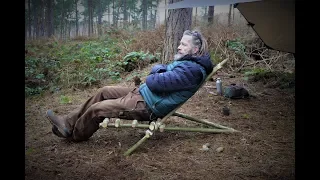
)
(193, 43)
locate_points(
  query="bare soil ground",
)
(263, 149)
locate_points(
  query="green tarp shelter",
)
(272, 20)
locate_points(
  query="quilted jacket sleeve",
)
(158, 68)
(184, 76)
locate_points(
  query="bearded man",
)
(166, 87)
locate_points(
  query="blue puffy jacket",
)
(167, 86)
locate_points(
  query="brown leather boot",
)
(56, 131)
(59, 128)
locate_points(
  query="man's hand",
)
(159, 68)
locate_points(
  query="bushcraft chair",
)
(160, 123)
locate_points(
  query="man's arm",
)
(183, 77)
(159, 68)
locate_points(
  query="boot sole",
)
(56, 131)
(61, 131)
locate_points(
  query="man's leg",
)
(104, 93)
(63, 125)
(131, 106)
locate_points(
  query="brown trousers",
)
(109, 101)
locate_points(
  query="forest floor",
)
(263, 149)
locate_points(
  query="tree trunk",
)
(61, 20)
(114, 21)
(205, 16)
(210, 15)
(84, 26)
(155, 14)
(130, 11)
(70, 29)
(25, 31)
(42, 18)
(26, 23)
(29, 18)
(65, 27)
(77, 18)
(125, 13)
(89, 18)
(165, 12)
(118, 12)
(151, 15)
(99, 18)
(36, 20)
(232, 13)
(195, 17)
(229, 15)
(178, 21)
(109, 14)
(144, 14)
(91, 13)
(50, 18)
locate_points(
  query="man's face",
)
(185, 47)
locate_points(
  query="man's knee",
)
(105, 89)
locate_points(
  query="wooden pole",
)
(129, 151)
(171, 128)
(204, 130)
(202, 121)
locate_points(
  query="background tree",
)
(113, 15)
(125, 13)
(233, 13)
(153, 5)
(62, 27)
(100, 15)
(178, 21)
(77, 16)
(41, 12)
(90, 17)
(63, 11)
(144, 9)
(205, 13)
(66, 18)
(35, 8)
(50, 26)
(29, 17)
(135, 13)
(229, 15)
(210, 15)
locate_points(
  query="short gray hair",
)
(198, 40)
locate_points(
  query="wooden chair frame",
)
(160, 123)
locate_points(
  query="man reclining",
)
(166, 87)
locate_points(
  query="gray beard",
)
(177, 56)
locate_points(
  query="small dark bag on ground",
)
(234, 91)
